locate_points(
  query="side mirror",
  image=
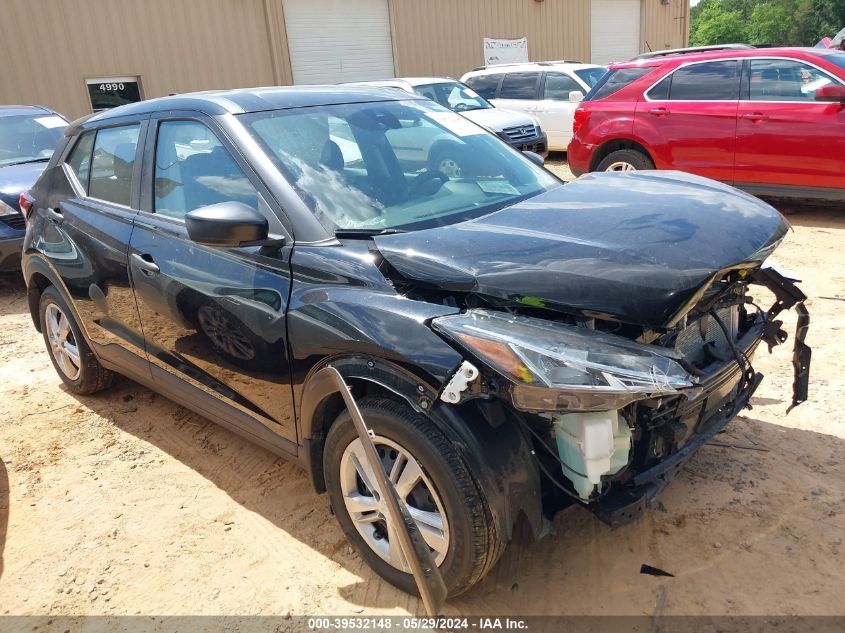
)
(831, 94)
(227, 225)
(576, 96)
(535, 158)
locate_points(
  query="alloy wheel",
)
(368, 510)
(63, 345)
(621, 165)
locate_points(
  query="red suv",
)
(768, 120)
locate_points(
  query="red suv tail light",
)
(25, 203)
(580, 118)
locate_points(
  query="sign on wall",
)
(498, 51)
(110, 92)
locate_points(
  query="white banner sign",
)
(505, 51)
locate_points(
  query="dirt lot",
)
(126, 503)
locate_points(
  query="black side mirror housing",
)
(535, 158)
(227, 225)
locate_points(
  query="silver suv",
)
(521, 130)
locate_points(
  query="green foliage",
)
(778, 22)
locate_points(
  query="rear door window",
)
(519, 86)
(112, 164)
(485, 85)
(708, 81)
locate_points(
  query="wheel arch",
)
(613, 145)
(484, 433)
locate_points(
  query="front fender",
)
(483, 432)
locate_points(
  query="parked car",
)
(549, 91)
(511, 353)
(518, 129)
(28, 136)
(768, 120)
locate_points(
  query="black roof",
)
(258, 99)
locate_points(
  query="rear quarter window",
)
(616, 79)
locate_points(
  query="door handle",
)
(55, 215)
(659, 111)
(754, 117)
(145, 264)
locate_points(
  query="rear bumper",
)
(10, 253)
(578, 154)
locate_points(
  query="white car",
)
(549, 91)
(520, 130)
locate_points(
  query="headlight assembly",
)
(555, 367)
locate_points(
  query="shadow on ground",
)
(737, 527)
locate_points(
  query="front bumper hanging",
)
(788, 295)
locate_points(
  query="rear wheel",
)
(440, 492)
(73, 360)
(625, 160)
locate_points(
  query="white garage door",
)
(614, 30)
(331, 41)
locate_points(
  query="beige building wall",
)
(664, 25)
(49, 47)
(444, 37)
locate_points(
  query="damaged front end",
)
(617, 411)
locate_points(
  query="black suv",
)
(516, 344)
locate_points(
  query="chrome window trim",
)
(738, 61)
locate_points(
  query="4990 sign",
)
(110, 92)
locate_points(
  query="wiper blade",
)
(27, 161)
(366, 232)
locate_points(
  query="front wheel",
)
(625, 160)
(431, 478)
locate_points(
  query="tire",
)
(474, 545)
(625, 160)
(84, 375)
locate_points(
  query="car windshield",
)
(453, 95)
(29, 138)
(591, 76)
(371, 167)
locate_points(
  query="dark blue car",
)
(28, 136)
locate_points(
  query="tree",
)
(713, 23)
(779, 22)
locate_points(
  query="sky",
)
(692, 3)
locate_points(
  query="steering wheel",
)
(462, 107)
(426, 184)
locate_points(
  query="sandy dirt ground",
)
(125, 503)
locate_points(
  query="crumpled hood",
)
(633, 247)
